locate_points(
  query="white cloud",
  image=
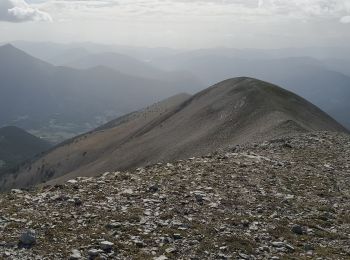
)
(345, 19)
(20, 11)
(192, 9)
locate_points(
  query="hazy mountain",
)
(41, 50)
(319, 74)
(49, 50)
(320, 53)
(68, 56)
(231, 112)
(339, 65)
(56, 52)
(40, 97)
(16, 146)
(132, 66)
(308, 77)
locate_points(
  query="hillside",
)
(62, 102)
(16, 146)
(232, 112)
(285, 198)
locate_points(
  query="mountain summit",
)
(232, 112)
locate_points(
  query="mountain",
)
(132, 66)
(319, 74)
(17, 145)
(307, 77)
(49, 50)
(56, 52)
(67, 56)
(63, 102)
(41, 50)
(232, 112)
(340, 65)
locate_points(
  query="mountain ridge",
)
(232, 112)
(309, 78)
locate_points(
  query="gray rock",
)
(278, 244)
(106, 245)
(153, 188)
(289, 247)
(170, 250)
(177, 236)
(28, 237)
(308, 247)
(297, 229)
(244, 256)
(199, 198)
(162, 257)
(75, 255)
(113, 225)
(94, 252)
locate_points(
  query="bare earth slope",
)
(232, 112)
(286, 198)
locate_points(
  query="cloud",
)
(20, 11)
(345, 19)
(109, 9)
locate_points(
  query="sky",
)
(179, 23)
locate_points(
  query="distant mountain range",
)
(16, 146)
(319, 74)
(61, 102)
(132, 66)
(232, 112)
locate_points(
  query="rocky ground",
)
(287, 198)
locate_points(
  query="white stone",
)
(162, 257)
(75, 255)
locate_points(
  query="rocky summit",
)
(286, 198)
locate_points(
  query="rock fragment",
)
(76, 255)
(28, 238)
(297, 229)
(106, 245)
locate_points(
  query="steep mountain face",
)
(232, 112)
(16, 146)
(64, 101)
(310, 78)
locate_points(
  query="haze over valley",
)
(174, 129)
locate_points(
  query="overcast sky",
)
(179, 23)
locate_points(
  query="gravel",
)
(260, 201)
